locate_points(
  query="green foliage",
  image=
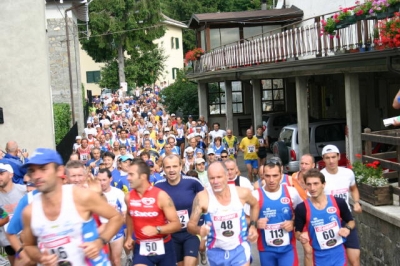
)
(144, 69)
(62, 120)
(181, 96)
(130, 24)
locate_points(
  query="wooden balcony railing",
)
(297, 43)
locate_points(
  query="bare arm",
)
(355, 194)
(197, 210)
(93, 203)
(128, 220)
(246, 196)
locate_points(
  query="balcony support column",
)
(302, 116)
(353, 116)
(229, 106)
(203, 105)
(257, 105)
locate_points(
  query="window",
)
(220, 37)
(174, 43)
(217, 98)
(92, 76)
(174, 72)
(273, 95)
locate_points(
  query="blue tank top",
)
(323, 227)
(273, 237)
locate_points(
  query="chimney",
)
(264, 5)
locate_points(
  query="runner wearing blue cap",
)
(56, 231)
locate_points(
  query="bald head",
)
(12, 148)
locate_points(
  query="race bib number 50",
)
(152, 247)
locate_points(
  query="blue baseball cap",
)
(124, 158)
(43, 156)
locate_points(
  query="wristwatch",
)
(158, 229)
(252, 223)
(348, 227)
(103, 241)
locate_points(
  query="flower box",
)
(376, 195)
(347, 21)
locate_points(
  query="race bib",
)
(152, 247)
(341, 193)
(180, 133)
(328, 235)
(231, 151)
(58, 247)
(183, 217)
(251, 149)
(226, 225)
(276, 236)
(84, 157)
(261, 141)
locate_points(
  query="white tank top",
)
(63, 235)
(228, 223)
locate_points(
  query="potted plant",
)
(373, 187)
(389, 32)
(344, 18)
(329, 26)
(380, 8)
(194, 54)
(394, 6)
(359, 12)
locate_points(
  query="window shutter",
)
(176, 43)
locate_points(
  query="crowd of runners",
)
(166, 190)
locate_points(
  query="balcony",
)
(298, 41)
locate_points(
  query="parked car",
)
(321, 133)
(274, 122)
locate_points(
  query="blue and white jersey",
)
(64, 235)
(228, 226)
(116, 198)
(182, 195)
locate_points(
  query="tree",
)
(122, 27)
(144, 69)
(181, 96)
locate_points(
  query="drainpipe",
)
(264, 5)
(69, 61)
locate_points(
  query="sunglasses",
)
(224, 156)
(273, 162)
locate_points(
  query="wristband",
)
(18, 252)
(103, 241)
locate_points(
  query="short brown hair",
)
(314, 173)
(143, 168)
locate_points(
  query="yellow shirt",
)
(250, 147)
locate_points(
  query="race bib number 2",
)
(152, 247)
(183, 217)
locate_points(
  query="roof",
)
(80, 8)
(270, 16)
(173, 22)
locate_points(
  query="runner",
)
(262, 150)
(116, 198)
(339, 182)
(321, 217)
(233, 177)
(182, 190)
(226, 228)
(277, 242)
(54, 234)
(231, 144)
(152, 218)
(180, 132)
(10, 195)
(249, 146)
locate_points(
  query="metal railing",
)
(296, 43)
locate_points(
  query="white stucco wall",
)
(174, 56)
(312, 8)
(25, 94)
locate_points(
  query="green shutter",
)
(172, 42)
(96, 76)
(176, 43)
(89, 77)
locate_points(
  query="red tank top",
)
(145, 211)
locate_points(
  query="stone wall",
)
(379, 232)
(59, 71)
